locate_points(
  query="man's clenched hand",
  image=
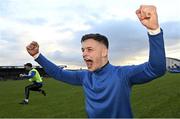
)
(147, 14)
(33, 48)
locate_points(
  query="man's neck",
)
(104, 64)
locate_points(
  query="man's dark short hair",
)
(28, 64)
(98, 37)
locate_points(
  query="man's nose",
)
(85, 54)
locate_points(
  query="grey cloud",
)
(127, 38)
(8, 36)
(10, 47)
(171, 30)
(68, 58)
(124, 37)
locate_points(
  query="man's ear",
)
(104, 52)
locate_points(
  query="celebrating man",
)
(107, 87)
(34, 77)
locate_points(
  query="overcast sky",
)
(58, 25)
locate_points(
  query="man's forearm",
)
(157, 59)
(71, 77)
(31, 75)
(156, 65)
(49, 67)
(27, 76)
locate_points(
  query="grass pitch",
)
(159, 98)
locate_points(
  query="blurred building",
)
(12, 72)
(172, 62)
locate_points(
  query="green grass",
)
(159, 98)
(62, 100)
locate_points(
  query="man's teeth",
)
(88, 60)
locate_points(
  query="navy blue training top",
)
(107, 90)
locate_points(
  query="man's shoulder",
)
(33, 70)
(124, 67)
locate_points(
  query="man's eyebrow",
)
(86, 47)
(83, 48)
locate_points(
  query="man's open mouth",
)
(89, 62)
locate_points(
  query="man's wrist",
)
(36, 55)
(154, 32)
